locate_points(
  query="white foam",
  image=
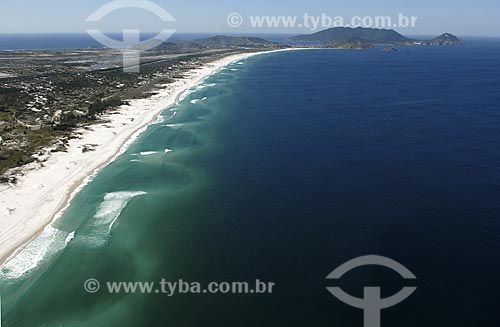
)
(135, 160)
(107, 215)
(186, 94)
(70, 237)
(204, 99)
(159, 120)
(134, 137)
(148, 153)
(131, 140)
(168, 150)
(47, 244)
(173, 125)
(203, 86)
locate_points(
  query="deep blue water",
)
(338, 154)
(295, 163)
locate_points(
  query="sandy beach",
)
(43, 191)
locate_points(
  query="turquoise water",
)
(280, 168)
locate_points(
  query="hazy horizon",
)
(480, 18)
(180, 33)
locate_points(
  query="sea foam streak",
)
(70, 237)
(159, 120)
(107, 214)
(175, 126)
(47, 244)
(147, 153)
(202, 86)
(186, 94)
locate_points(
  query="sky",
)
(463, 18)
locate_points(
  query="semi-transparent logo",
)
(372, 302)
(131, 45)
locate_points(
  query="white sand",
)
(43, 193)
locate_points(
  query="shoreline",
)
(45, 191)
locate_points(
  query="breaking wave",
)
(148, 153)
(43, 247)
(107, 215)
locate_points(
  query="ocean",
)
(281, 168)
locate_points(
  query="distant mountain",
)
(214, 42)
(369, 36)
(444, 39)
